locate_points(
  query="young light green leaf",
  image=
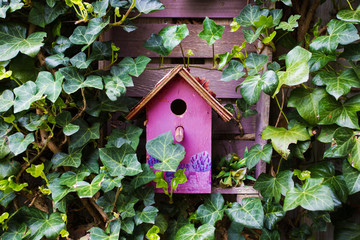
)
(250, 14)
(18, 143)
(256, 154)
(73, 159)
(312, 196)
(290, 25)
(168, 153)
(282, 138)
(211, 31)
(172, 36)
(7, 100)
(51, 86)
(148, 6)
(233, 72)
(188, 232)
(352, 177)
(212, 210)
(152, 233)
(250, 214)
(272, 187)
(134, 67)
(26, 94)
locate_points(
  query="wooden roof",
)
(223, 112)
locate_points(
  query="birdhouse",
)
(180, 104)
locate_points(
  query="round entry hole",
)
(178, 106)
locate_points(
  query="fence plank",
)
(131, 43)
(200, 9)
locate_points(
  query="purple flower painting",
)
(201, 162)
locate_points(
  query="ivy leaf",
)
(155, 44)
(233, 72)
(168, 153)
(272, 187)
(62, 44)
(114, 86)
(50, 85)
(73, 159)
(352, 177)
(146, 194)
(148, 6)
(18, 143)
(255, 62)
(250, 214)
(64, 120)
(13, 40)
(273, 214)
(128, 225)
(75, 80)
(134, 67)
(269, 235)
(147, 215)
(269, 82)
(343, 143)
(143, 178)
(251, 36)
(70, 178)
(41, 224)
(110, 183)
(224, 59)
(119, 137)
(290, 25)
(100, 7)
(16, 232)
(211, 31)
(111, 233)
(4, 151)
(5, 128)
(88, 190)
(341, 113)
(234, 231)
(7, 100)
(56, 60)
(339, 33)
(8, 167)
(319, 60)
(337, 85)
(85, 134)
(256, 154)
(79, 61)
(250, 14)
(26, 94)
(282, 138)
(312, 196)
(188, 232)
(244, 108)
(100, 50)
(307, 103)
(42, 15)
(212, 210)
(297, 68)
(58, 191)
(352, 16)
(172, 36)
(354, 156)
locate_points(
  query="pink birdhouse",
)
(180, 104)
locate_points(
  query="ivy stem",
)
(350, 5)
(15, 81)
(278, 169)
(161, 61)
(124, 16)
(306, 87)
(116, 198)
(277, 101)
(213, 53)
(183, 55)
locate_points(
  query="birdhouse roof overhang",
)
(223, 112)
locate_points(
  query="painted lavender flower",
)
(201, 162)
(151, 160)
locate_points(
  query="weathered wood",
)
(223, 128)
(236, 190)
(148, 80)
(200, 9)
(221, 148)
(131, 43)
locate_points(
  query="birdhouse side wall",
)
(196, 122)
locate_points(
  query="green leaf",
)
(128, 225)
(73, 159)
(147, 215)
(212, 210)
(110, 183)
(312, 196)
(255, 62)
(169, 154)
(339, 33)
(327, 133)
(88, 190)
(211, 31)
(319, 60)
(351, 52)
(119, 137)
(42, 15)
(290, 25)
(111, 233)
(250, 14)
(155, 43)
(148, 6)
(146, 195)
(244, 108)
(134, 67)
(233, 72)
(352, 177)
(250, 214)
(56, 60)
(272, 187)
(18, 143)
(354, 156)
(100, 50)
(13, 40)
(115, 86)
(273, 214)
(26, 94)
(7, 100)
(51, 86)
(74, 80)
(85, 134)
(79, 61)
(269, 235)
(143, 178)
(172, 36)
(343, 142)
(269, 82)
(234, 231)
(64, 119)
(58, 191)
(281, 138)
(347, 230)
(341, 113)
(256, 154)
(337, 85)
(188, 232)
(352, 16)
(8, 168)
(224, 59)
(70, 178)
(4, 149)
(63, 43)
(307, 103)
(41, 224)
(113, 159)
(297, 68)
(16, 232)
(100, 7)
(152, 234)
(251, 36)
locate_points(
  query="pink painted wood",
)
(196, 122)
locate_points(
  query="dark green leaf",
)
(347, 230)
(58, 191)
(25, 95)
(211, 31)
(256, 154)
(114, 159)
(7, 100)
(250, 14)
(343, 143)
(188, 232)
(63, 43)
(212, 210)
(155, 43)
(269, 235)
(147, 215)
(16, 232)
(134, 67)
(73, 159)
(100, 7)
(352, 177)
(79, 61)
(115, 86)
(18, 143)
(233, 72)
(51, 86)
(119, 137)
(148, 6)
(244, 108)
(319, 60)
(172, 36)
(56, 60)
(112, 232)
(273, 214)
(8, 167)
(251, 36)
(351, 52)
(234, 231)
(85, 134)
(327, 133)
(143, 178)
(88, 190)
(255, 62)
(146, 194)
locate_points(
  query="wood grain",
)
(236, 190)
(131, 43)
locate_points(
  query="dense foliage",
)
(61, 177)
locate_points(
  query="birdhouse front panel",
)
(180, 109)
